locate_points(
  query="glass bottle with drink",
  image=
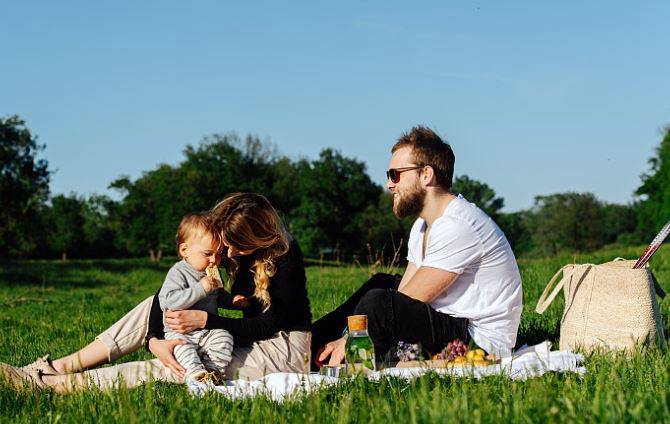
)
(359, 352)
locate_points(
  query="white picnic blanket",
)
(525, 363)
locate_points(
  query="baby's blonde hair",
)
(196, 225)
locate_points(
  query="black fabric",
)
(332, 325)
(392, 317)
(289, 309)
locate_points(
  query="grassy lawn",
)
(58, 307)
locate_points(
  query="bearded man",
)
(462, 280)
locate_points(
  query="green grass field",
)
(56, 307)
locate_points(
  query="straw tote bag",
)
(610, 306)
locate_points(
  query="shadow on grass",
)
(534, 336)
(315, 262)
(66, 274)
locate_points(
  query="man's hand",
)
(185, 321)
(164, 351)
(334, 350)
(210, 284)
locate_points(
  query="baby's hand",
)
(240, 301)
(210, 284)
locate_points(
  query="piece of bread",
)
(213, 272)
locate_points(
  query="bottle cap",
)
(357, 322)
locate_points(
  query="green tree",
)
(66, 219)
(515, 227)
(654, 193)
(381, 233)
(146, 219)
(620, 223)
(223, 164)
(99, 235)
(24, 187)
(480, 194)
(333, 190)
(573, 221)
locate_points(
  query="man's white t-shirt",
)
(466, 241)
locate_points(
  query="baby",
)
(187, 286)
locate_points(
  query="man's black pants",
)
(392, 317)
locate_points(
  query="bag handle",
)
(657, 287)
(545, 300)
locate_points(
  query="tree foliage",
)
(329, 204)
(66, 225)
(333, 191)
(480, 194)
(24, 187)
(654, 192)
(567, 221)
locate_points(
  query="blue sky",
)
(534, 98)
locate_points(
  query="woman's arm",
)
(225, 300)
(248, 330)
(243, 330)
(284, 296)
(155, 324)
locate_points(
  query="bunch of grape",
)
(453, 350)
(408, 352)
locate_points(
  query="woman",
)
(266, 267)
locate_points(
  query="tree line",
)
(330, 204)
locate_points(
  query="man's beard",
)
(410, 203)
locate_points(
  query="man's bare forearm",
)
(428, 283)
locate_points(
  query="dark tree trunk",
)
(155, 255)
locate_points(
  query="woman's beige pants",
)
(284, 352)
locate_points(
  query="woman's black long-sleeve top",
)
(289, 306)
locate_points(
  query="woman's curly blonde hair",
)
(248, 222)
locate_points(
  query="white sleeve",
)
(411, 242)
(452, 246)
(410, 255)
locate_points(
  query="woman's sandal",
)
(19, 379)
(43, 365)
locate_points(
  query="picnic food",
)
(455, 354)
(453, 350)
(213, 271)
(359, 352)
(408, 351)
(458, 353)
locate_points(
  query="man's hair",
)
(196, 225)
(429, 149)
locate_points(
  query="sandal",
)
(18, 378)
(43, 365)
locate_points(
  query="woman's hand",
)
(185, 321)
(163, 350)
(240, 301)
(334, 350)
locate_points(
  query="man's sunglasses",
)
(393, 174)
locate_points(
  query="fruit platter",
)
(455, 354)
